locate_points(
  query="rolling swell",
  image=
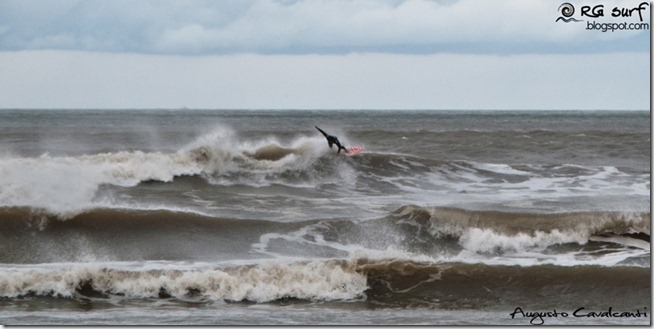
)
(438, 233)
(32, 236)
(451, 221)
(376, 283)
(595, 147)
(495, 231)
(479, 286)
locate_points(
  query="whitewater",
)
(248, 217)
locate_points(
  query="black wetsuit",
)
(331, 140)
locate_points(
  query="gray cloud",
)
(292, 27)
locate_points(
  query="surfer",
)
(331, 140)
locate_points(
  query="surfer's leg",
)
(338, 144)
(339, 147)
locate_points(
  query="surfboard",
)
(353, 150)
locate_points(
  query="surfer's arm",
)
(320, 130)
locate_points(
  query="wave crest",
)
(318, 280)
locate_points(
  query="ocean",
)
(214, 217)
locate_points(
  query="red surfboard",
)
(353, 150)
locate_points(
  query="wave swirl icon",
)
(567, 10)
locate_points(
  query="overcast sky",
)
(320, 54)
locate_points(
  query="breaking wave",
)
(381, 283)
(487, 231)
(66, 185)
(316, 280)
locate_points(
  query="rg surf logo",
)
(567, 11)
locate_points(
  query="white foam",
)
(487, 240)
(498, 168)
(65, 185)
(535, 258)
(314, 280)
(489, 247)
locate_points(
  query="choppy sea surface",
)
(248, 217)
